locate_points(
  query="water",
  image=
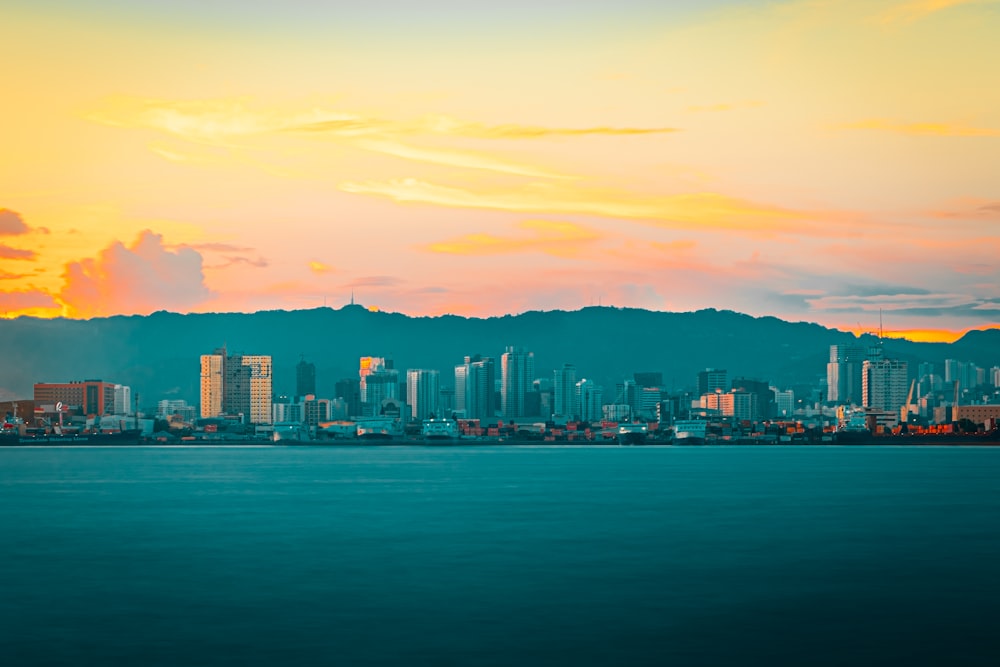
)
(499, 556)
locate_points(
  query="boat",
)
(632, 434)
(290, 433)
(379, 428)
(126, 438)
(439, 429)
(690, 431)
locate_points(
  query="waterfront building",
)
(378, 387)
(843, 374)
(348, 390)
(238, 384)
(123, 400)
(422, 393)
(86, 397)
(175, 408)
(784, 402)
(885, 384)
(475, 393)
(305, 378)
(590, 400)
(711, 380)
(517, 370)
(211, 383)
(564, 399)
(763, 406)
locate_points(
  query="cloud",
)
(374, 281)
(11, 223)
(699, 210)
(232, 124)
(26, 301)
(6, 275)
(256, 262)
(6, 252)
(920, 129)
(970, 210)
(136, 279)
(319, 268)
(918, 9)
(559, 239)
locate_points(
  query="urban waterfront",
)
(499, 555)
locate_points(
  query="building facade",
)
(423, 390)
(517, 371)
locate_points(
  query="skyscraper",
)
(564, 392)
(885, 384)
(710, 380)
(238, 384)
(211, 383)
(517, 370)
(422, 393)
(843, 374)
(589, 398)
(474, 392)
(378, 381)
(305, 378)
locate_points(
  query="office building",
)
(422, 393)
(564, 397)
(305, 378)
(711, 380)
(236, 385)
(885, 384)
(517, 370)
(87, 397)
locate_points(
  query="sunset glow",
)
(818, 162)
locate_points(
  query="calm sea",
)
(500, 556)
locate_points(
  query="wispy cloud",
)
(559, 239)
(921, 129)
(969, 209)
(7, 252)
(234, 124)
(699, 210)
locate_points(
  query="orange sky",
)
(816, 161)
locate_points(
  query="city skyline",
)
(813, 161)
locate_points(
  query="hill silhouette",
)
(158, 355)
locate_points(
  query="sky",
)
(829, 161)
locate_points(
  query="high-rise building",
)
(589, 398)
(123, 399)
(517, 370)
(238, 384)
(422, 393)
(564, 392)
(211, 383)
(474, 388)
(763, 406)
(843, 374)
(379, 381)
(349, 390)
(885, 384)
(305, 378)
(711, 380)
(784, 403)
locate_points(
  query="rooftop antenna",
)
(352, 297)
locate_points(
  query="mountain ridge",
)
(158, 354)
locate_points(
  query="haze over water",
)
(499, 555)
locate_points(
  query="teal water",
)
(499, 556)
